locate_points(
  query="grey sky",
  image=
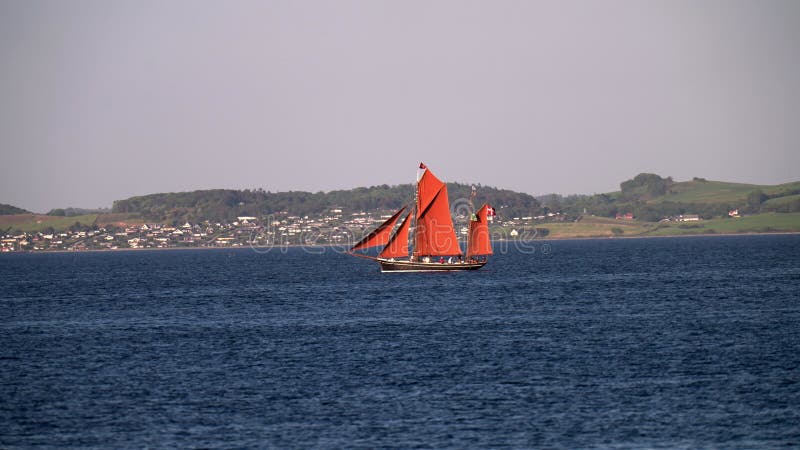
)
(101, 100)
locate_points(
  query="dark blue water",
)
(689, 342)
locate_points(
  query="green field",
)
(602, 227)
(781, 201)
(38, 222)
(120, 219)
(721, 192)
(708, 192)
(782, 189)
(596, 227)
(758, 223)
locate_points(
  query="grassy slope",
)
(720, 191)
(782, 188)
(39, 222)
(119, 219)
(781, 201)
(769, 222)
(591, 226)
(600, 227)
(708, 191)
(578, 229)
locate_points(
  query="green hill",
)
(40, 222)
(6, 210)
(226, 204)
(786, 203)
(720, 191)
(708, 192)
(757, 223)
(650, 197)
(591, 226)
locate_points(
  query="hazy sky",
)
(101, 100)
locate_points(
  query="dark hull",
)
(418, 266)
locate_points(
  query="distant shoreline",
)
(279, 247)
(755, 233)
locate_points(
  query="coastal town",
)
(336, 227)
(342, 227)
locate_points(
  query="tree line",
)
(639, 196)
(227, 204)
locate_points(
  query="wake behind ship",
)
(434, 246)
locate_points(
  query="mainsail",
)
(434, 234)
(398, 245)
(478, 242)
(380, 236)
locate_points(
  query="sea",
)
(687, 342)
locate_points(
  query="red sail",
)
(379, 236)
(398, 245)
(479, 242)
(434, 234)
(427, 188)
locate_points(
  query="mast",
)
(472, 213)
(413, 233)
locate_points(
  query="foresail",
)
(379, 236)
(398, 244)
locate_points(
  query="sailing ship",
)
(434, 246)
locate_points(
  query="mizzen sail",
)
(479, 242)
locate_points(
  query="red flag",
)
(490, 212)
(422, 166)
